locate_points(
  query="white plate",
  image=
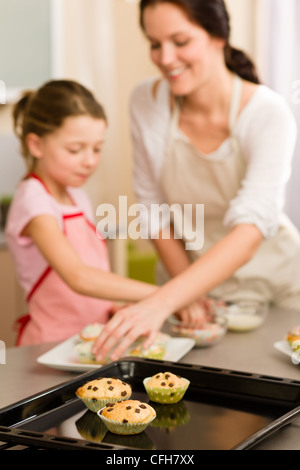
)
(284, 347)
(63, 356)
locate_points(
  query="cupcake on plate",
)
(85, 355)
(166, 387)
(127, 417)
(95, 394)
(293, 335)
(156, 351)
(91, 331)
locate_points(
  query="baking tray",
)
(221, 410)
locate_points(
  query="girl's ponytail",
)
(19, 124)
(19, 111)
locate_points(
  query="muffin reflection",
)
(90, 427)
(170, 416)
(136, 441)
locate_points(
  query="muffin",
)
(166, 387)
(96, 393)
(293, 335)
(127, 417)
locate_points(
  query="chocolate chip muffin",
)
(127, 417)
(96, 393)
(166, 387)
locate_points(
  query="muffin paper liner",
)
(167, 396)
(96, 404)
(117, 427)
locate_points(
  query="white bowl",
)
(244, 315)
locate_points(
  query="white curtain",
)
(89, 56)
(278, 52)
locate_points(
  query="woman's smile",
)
(175, 73)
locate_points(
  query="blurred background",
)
(100, 44)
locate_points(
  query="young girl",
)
(61, 262)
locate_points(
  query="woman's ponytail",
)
(238, 62)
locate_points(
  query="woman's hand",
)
(125, 326)
(142, 319)
(116, 307)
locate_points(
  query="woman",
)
(208, 133)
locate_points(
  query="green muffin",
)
(166, 387)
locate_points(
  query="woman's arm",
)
(61, 256)
(147, 316)
(175, 259)
(171, 252)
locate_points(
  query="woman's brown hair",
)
(43, 111)
(212, 16)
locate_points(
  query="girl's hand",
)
(195, 315)
(125, 326)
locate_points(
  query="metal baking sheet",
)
(221, 410)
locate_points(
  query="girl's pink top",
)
(56, 312)
(31, 200)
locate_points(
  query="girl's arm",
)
(147, 316)
(61, 256)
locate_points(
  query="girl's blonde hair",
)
(43, 111)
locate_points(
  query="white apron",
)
(191, 177)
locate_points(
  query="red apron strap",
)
(89, 223)
(39, 281)
(33, 175)
(19, 326)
